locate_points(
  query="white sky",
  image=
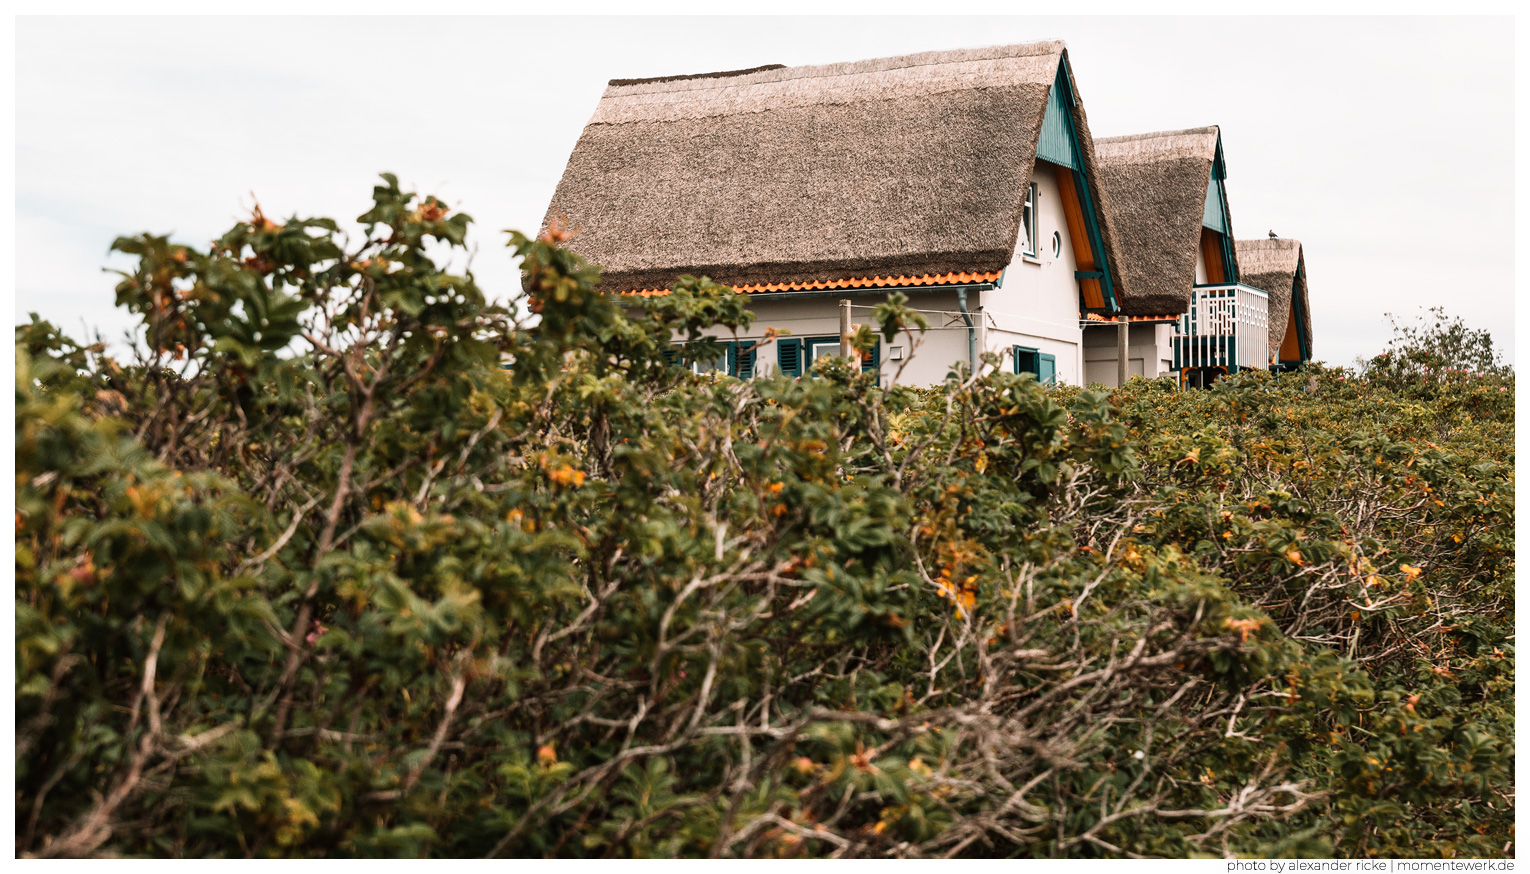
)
(1384, 145)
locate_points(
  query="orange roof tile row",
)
(1096, 317)
(876, 281)
(853, 282)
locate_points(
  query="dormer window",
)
(1032, 232)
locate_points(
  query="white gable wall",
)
(1149, 351)
(1037, 305)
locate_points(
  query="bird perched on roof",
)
(1274, 236)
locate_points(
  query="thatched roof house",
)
(907, 171)
(1167, 206)
(1276, 266)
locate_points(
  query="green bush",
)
(319, 575)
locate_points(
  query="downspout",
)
(961, 304)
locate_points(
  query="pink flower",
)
(317, 632)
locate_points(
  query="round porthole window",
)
(1056, 244)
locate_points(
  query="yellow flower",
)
(1244, 627)
(567, 476)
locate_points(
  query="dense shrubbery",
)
(317, 576)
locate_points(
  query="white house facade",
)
(966, 180)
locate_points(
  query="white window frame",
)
(1032, 221)
(822, 349)
(718, 366)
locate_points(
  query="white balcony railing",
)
(1227, 326)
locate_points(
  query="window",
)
(1032, 221)
(1037, 363)
(822, 349)
(1057, 244)
(737, 359)
(1027, 360)
(796, 356)
(721, 364)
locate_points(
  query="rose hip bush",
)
(348, 561)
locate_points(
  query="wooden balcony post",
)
(1121, 337)
(844, 328)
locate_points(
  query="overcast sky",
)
(1384, 145)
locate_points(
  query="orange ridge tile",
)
(851, 282)
(1096, 317)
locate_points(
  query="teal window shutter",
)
(874, 360)
(1046, 373)
(873, 363)
(672, 356)
(789, 356)
(1028, 360)
(741, 360)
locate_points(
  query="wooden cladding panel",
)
(1056, 141)
(1078, 234)
(1290, 344)
(1094, 295)
(1214, 215)
(1211, 254)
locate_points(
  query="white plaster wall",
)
(1037, 305)
(1149, 352)
(1163, 348)
(928, 356)
(1201, 276)
(1003, 342)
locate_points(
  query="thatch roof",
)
(1276, 266)
(892, 167)
(1156, 184)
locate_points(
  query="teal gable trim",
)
(1056, 128)
(1300, 314)
(1215, 216)
(1057, 143)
